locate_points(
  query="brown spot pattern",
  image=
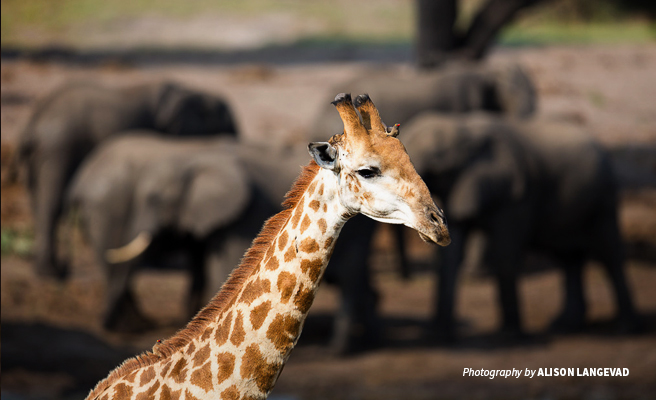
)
(310, 189)
(321, 190)
(226, 366)
(167, 394)
(207, 333)
(305, 224)
(230, 393)
(255, 289)
(303, 299)
(309, 245)
(328, 242)
(191, 348)
(272, 264)
(409, 193)
(122, 391)
(283, 331)
(325, 207)
(290, 254)
(238, 332)
(282, 240)
(269, 252)
(296, 217)
(259, 314)
(202, 355)
(286, 285)
(223, 330)
(150, 393)
(130, 377)
(202, 377)
(254, 366)
(147, 376)
(179, 371)
(166, 368)
(314, 268)
(189, 396)
(314, 204)
(322, 225)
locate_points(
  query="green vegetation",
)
(580, 22)
(16, 242)
(42, 22)
(579, 33)
(34, 23)
(596, 99)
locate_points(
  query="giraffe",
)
(236, 346)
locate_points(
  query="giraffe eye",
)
(369, 172)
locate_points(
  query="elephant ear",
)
(217, 195)
(173, 103)
(484, 185)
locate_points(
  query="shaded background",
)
(593, 64)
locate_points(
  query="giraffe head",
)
(374, 173)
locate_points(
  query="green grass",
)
(41, 22)
(579, 33)
(15, 242)
(35, 23)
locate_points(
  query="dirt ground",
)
(54, 348)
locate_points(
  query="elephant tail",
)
(131, 250)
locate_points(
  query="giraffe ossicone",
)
(237, 345)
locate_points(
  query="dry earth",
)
(54, 348)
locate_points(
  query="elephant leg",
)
(122, 310)
(445, 293)
(198, 278)
(572, 316)
(507, 233)
(610, 253)
(404, 264)
(356, 326)
(504, 262)
(49, 180)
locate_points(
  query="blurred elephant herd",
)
(159, 177)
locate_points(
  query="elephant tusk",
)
(131, 250)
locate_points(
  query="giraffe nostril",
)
(434, 217)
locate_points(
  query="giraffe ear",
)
(324, 154)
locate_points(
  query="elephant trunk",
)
(131, 250)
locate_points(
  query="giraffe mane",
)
(229, 290)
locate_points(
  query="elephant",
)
(72, 120)
(532, 185)
(458, 88)
(177, 196)
(142, 198)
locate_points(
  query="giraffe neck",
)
(267, 316)
(239, 350)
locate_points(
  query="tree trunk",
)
(437, 39)
(493, 16)
(436, 36)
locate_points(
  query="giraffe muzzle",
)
(436, 229)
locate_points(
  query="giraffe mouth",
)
(426, 238)
(437, 231)
(440, 239)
